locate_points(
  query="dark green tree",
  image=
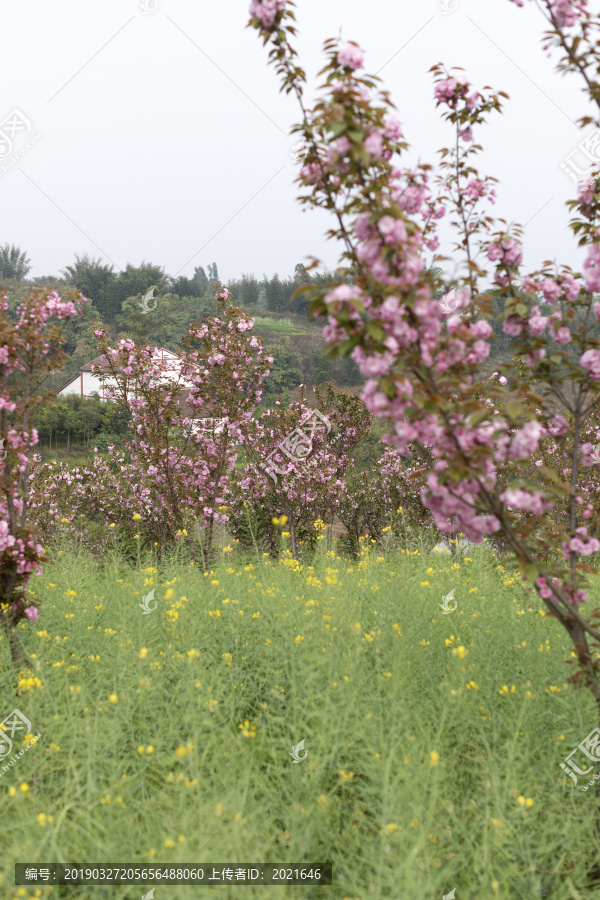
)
(200, 279)
(14, 262)
(286, 369)
(94, 279)
(276, 296)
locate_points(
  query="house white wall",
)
(84, 384)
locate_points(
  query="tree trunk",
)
(293, 536)
(17, 654)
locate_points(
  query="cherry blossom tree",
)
(30, 348)
(188, 424)
(295, 458)
(423, 362)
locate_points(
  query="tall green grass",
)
(417, 750)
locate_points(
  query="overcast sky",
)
(163, 136)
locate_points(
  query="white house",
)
(85, 383)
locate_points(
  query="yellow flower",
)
(183, 751)
(149, 750)
(136, 516)
(143, 653)
(434, 757)
(169, 843)
(24, 787)
(113, 698)
(12, 792)
(461, 652)
(248, 731)
(152, 852)
(112, 525)
(181, 838)
(346, 776)
(168, 594)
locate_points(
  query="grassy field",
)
(433, 740)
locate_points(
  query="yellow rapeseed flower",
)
(434, 757)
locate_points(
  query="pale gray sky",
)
(164, 136)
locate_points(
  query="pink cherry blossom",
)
(350, 55)
(590, 360)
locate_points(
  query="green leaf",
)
(376, 331)
(513, 408)
(530, 571)
(337, 129)
(388, 387)
(478, 417)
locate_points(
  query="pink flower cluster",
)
(565, 12)
(267, 10)
(591, 268)
(526, 500)
(350, 56)
(508, 251)
(583, 544)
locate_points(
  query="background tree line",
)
(294, 340)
